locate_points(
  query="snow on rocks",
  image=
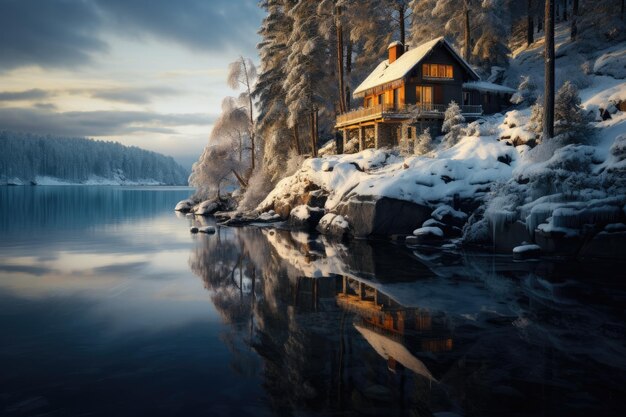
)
(305, 217)
(269, 216)
(526, 251)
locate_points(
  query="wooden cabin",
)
(411, 90)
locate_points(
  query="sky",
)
(148, 73)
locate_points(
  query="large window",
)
(423, 95)
(437, 71)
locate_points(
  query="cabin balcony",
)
(391, 113)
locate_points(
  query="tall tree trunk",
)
(565, 10)
(548, 103)
(530, 34)
(312, 130)
(467, 34)
(574, 28)
(316, 129)
(348, 73)
(296, 139)
(401, 17)
(622, 10)
(339, 36)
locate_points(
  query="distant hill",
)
(44, 159)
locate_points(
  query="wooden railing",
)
(381, 110)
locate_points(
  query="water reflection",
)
(381, 330)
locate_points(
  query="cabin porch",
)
(382, 125)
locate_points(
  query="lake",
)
(110, 307)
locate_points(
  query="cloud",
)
(96, 123)
(51, 33)
(34, 94)
(67, 33)
(133, 95)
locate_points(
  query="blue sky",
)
(149, 73)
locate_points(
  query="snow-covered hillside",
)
(498, 185)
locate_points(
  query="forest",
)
(314, 53)
(26, 157)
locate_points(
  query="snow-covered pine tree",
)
(568, 114)
(526, 91)
(270, 92)
(305, 83)
(423, 143)
(452, 125)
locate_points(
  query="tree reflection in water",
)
(381, 330)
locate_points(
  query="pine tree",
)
(452, 124)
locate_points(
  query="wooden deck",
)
(388, 112)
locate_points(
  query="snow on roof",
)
(486, 86)
(400, 68)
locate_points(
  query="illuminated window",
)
(423, 94)
(437, 71)
(368, 102)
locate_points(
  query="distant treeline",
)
(26, 156)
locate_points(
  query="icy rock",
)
(605, 245)
(184, 205)
(612, 63)
(194, 230)
(305, 217)
(334, 225)
(207, 229)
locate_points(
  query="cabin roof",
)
(387, 73)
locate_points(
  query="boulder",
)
(558, 243)
(305, 217)
(509, 235)
(207, 229)
(184, 206)
(193, 230)
(608, 245)
(334, 225)
(448, 229)
(383, 217)
(207, 207)
(447, 215)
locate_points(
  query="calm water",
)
(109, 307)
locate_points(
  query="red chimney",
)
(395, 49)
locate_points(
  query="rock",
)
(334, 225)
(526, 251)
(194, 230)
(315, 198)
(184, 206)
(448, 230)
(207, 229)
(609, 245)
(269, 217)
(558, 243)
(383, 217)
(305, 217)
(448, 215)
(207, 207)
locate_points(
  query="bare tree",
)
(242, 73)
(548, 104)
(574, 28)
